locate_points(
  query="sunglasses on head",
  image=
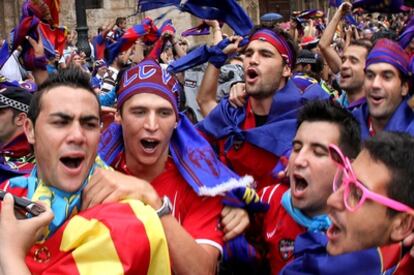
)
(355, 193)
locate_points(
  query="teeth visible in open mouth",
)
(149, 144)
(71, 162)
(376, 97)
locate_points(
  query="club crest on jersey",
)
(286, 248)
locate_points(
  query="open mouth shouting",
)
(345, 76)
(299, 186)
(72, 162)
(376, 99)
(251, 75)
(149, 145)
(335, 230)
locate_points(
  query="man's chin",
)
(71, 184)
(332, 249)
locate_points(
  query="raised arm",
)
(330, 55)
(40, 74)
(206, 96)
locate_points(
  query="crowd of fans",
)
(283, 148)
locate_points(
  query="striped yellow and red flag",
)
(114, 238)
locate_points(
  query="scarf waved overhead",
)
(228, 11)
(63, 204)
(315, 224)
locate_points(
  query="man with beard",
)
(371, 210)
(251, 139)
(386, 86)
(352, 63)
(302, 207)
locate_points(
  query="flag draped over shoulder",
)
(96, 240)
(276, 135)
(112, 238)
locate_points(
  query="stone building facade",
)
(110, 9)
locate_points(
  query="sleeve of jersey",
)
(202, 221)
(116, 238)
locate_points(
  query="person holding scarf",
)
(251, 139)
(152, 140)
(64, 129)
(387, 74)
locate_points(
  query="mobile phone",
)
(25, 206)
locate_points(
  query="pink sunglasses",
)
(355, 192)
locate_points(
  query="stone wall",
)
(9, 16)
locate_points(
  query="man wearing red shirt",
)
(144, 143)
(251, 139)
(302, 207)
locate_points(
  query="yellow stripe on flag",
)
(160, 260)
(93, 243)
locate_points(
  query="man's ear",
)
(404, 88)
(118, 117)
(402, 226)
(286, 71)
(28, 128)
(20, 119)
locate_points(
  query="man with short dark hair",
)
(16, 156)
(352, 63)
(386, 86)
(251, 139)
(64, 130)
(302, 207)
(371, 211)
